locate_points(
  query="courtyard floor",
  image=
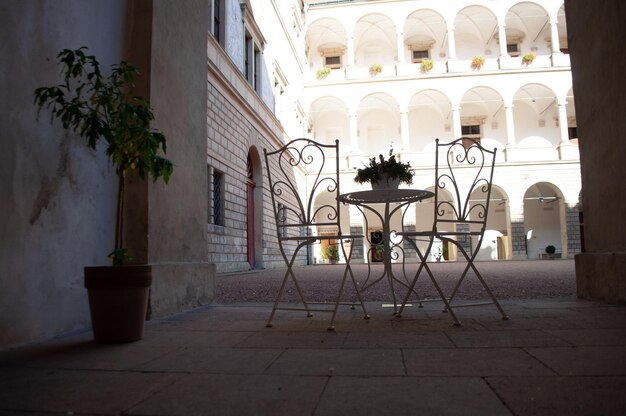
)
(557, 355)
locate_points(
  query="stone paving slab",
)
(409, 396)
(405, 339)
(476, 362)
(584, 361)
(77, 391)
(213, 361)
(206, 394)
(353, 362)
(592, 337)
(301, 339)
(499, 339)
(560, 396)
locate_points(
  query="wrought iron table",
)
(394, 200)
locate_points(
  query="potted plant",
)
(375, 69)
(331, 253)
(322, 73)
(385, 173)
(528, 58)
(477, 62)
(379, 252)
(550, 250)
(426, 65)
(100, 108)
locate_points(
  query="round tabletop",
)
(382, 196)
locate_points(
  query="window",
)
(216, 205)
(253, 43)
(332, 61)
(332, 58)
(419, 55)
(217, 14)
(280, 87)
(472, 131)
(252, 62)
(513, 49)
(298, 17)
(249, 58)
(572, 132)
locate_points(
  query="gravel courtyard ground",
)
(507, 279)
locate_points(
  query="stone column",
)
(510, 126)
(451, 44)
(350, 51)
(554, 34)
(563, 124)
(456, 123)
(404, 131)
(502, 35)
(400, 58)
(354, 132)
(518, 230)
(572, 221)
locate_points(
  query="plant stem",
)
(119, 222)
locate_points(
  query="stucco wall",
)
(177, 212)
(57, 214)
(58, 202)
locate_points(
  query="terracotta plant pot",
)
(118, 301)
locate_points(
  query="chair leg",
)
(411, 287)
(470, 264)
(358, 294)
(505, 317)
(424, 265)
(348, 270)
(279, 296)
(277, 300)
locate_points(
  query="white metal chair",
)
(465, 169)
(298, 218)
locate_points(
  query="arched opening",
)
(324, 208)
(482, 117)
(375, 40)
(329, 118)
(379, 124)
(496, 244)
(544, 221)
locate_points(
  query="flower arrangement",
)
(477, 62)
(381, 168)
(375, 69)
(426, 65)
(528, 58)
(322, 73)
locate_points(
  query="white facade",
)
(525, 110)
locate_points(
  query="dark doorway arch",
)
(254, 204)
(251, 185)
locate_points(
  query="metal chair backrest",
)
(317, 165)
(465, 169)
